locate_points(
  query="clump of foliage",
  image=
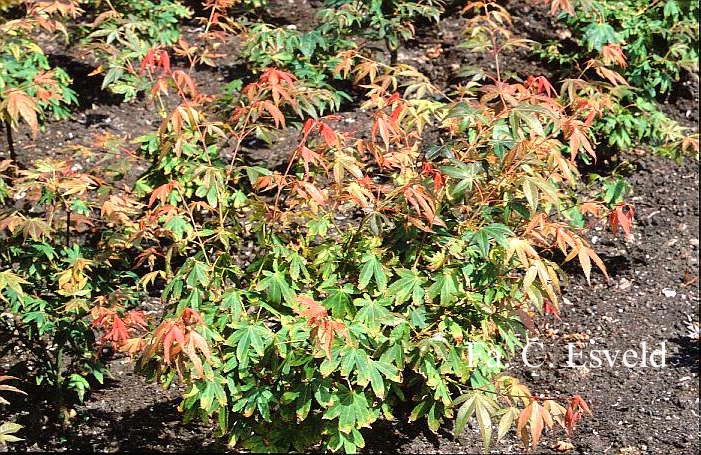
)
(658, 39)
(313, 55)
(634, 120)
(384, 269)
(389, 20)
(649, 44)
(123, 34)
(51, 280)
(310, 55)
(375, 267)
(30, 89)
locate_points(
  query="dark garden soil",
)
(652, 296)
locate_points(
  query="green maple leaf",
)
(597, 35)
(372, 268)
(409, 285)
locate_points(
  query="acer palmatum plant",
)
(343, 26)
(121, 36)
(389, 20)
(376, 266)
(384, 269)
(309, 55)
(651, 44)
(57, 264)
(31, 90)
(642, 49)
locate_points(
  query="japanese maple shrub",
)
(302, 303)
(385, 269)
(650, 45)
(60, 276)
(391, 21)
(31, 90)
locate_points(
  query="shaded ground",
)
(652, 295)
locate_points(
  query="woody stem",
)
(10, 141)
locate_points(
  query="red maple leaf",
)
(324, 329)
(191, 317)
(136, 317)
(622, 216)
(174, 334)
(438, 179)
(119, 331)
(549, 308)
(311, 309)
(575, 410)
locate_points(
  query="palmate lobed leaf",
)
(9, 280)
(20, 106)
(276, 287)
(352, 410)
(372, 269)
(482, 407)
(408, 286)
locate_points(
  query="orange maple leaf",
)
(622, 216)
(174, 334)
(613, 54)
(324, 329)
(118, 333)
(19, 105)
(577, 407)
